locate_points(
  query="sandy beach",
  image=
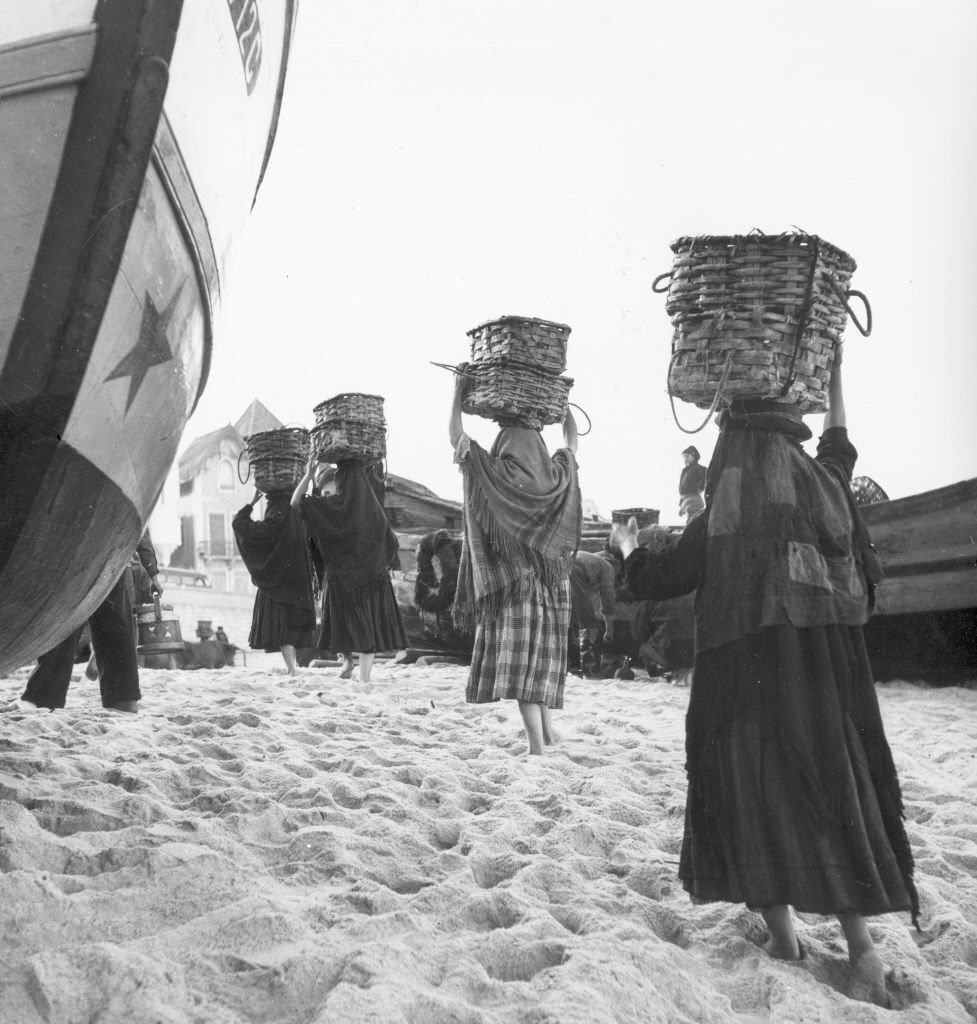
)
(255, 848)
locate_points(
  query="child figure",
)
(351, 534)
(522, 517)
(275, 550)
(793, 797)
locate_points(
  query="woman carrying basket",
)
(349, 529)
(522, 517)
(276, 552)
(793, 797)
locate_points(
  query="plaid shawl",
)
(522, 517)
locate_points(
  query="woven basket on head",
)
(336, 440)
(521, 339)
(278, 457)
(512, 392)
(352, 406)
(757, 316)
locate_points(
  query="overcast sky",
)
(440, 163)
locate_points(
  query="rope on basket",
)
(715, 401)
(243, 479)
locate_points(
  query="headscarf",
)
(522, 515)
(275, 551)
(350, 528)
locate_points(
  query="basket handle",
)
(845, 296)
(590, 423)
(662, 277)
(727, 366)
(243, 479)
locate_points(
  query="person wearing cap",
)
(691, 484)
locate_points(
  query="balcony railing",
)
(217, 549)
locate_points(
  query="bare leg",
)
(347, 671)
(782, 944)
(288, 653)
(366, 666)
(867, 969)
(549, 733)
(532, 719)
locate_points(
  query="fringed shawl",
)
(275, 551)
(522, 517)
(350, 529)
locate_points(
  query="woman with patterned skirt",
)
(522, 518)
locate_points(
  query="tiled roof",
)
(256, 418)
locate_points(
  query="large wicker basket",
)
(350, 426)
(512, 392)
(643, 516)
(278, 457)
(521, 339)
(757, 316)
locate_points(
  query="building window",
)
(225, 475)
(451, 522)
(186, 487)
(219, 547)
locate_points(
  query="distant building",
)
(211, 492)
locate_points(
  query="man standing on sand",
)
(113, 643)
(691, 484)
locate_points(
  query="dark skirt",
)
(366, 620)
(793, 795)
(274, 624)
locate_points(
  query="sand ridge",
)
(254, 848)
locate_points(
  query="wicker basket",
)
(278, 457)
(521, 339)
(756, 316)
(505, 392)
(336, 440)
(643, 516)
(352, 406)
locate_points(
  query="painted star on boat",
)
(151, 349)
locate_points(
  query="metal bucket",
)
(158, 634)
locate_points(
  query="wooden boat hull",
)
(117, 118)
(928, 546)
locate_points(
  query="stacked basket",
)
(350, 426)
(278, 457)
(515, 372)
(757, 316)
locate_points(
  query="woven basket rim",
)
(515, 318)
(798, 239)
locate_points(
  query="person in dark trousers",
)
(592, 602)
(113, 644)
(691, 484)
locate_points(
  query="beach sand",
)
(254, 848)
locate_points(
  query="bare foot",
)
(868, 979)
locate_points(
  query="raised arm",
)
(836, 416)
(570, 431)
(455, 428)
(303, 485)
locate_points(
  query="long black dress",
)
(353, 538)
(793, 796)
(276, 552)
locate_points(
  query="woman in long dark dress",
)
(351, 534)
(276, 552)
(793, 797)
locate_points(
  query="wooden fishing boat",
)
(133, 137)
(928, 546)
